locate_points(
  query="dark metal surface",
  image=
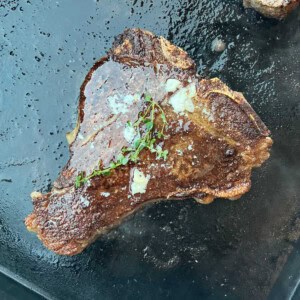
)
(14, 287)
(232, 250)
(288, 282)
(12, 291)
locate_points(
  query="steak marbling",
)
(214, 139)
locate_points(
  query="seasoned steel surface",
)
(232, 249)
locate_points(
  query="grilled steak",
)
(277, 9)
(213, 138)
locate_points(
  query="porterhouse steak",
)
(277, 9)
(213, 138)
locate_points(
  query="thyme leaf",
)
(146, 140)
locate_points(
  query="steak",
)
(212, 140)
(277, 9)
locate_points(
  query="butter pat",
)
(120, 103)
(172, 85)
(182, 100)
(105, 194)
(139, 182)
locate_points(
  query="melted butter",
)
(172, 85)
(117, 105)
(84, 201)
(121, 103)
(113, 96)
(182, 100)
(139, 182)
(105, 194)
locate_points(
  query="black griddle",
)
(247, 249)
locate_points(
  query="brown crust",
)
(221, 141)
(137, 46)
(277, 9)
(100, 62)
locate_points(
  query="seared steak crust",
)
(212, 145)
(277, 9)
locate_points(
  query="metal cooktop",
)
(245, 249)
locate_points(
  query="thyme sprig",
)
(147, 134)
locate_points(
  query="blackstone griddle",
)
(245, 249)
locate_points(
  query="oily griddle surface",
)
(211, 148)
(239, 248)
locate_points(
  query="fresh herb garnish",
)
(147, 134)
